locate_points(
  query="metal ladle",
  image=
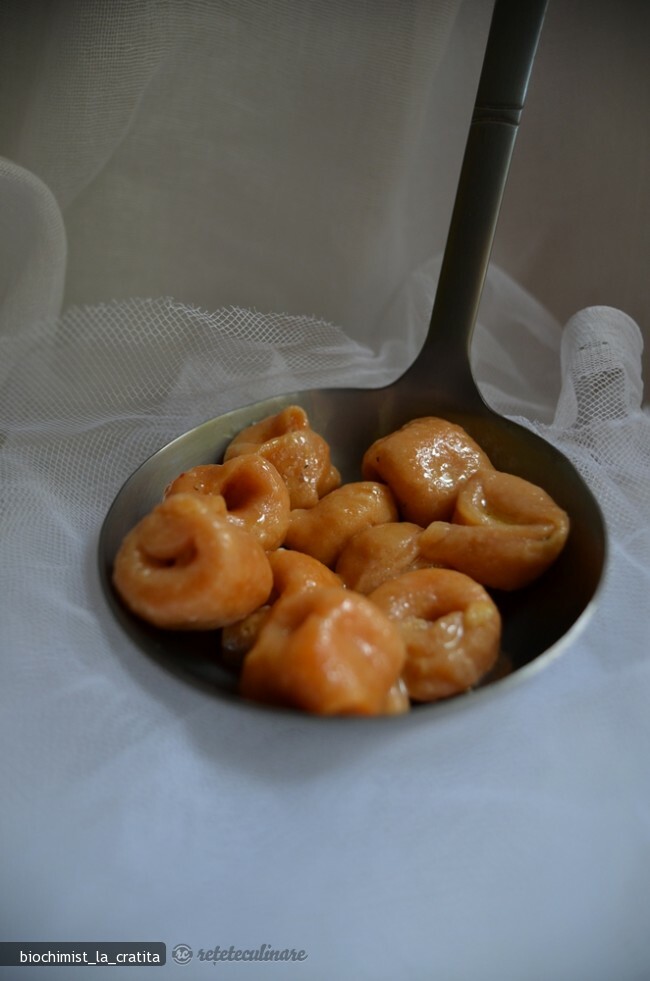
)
(539, 621)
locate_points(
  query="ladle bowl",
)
(539, 621)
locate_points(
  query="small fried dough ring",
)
(505, 533)
(186, 567)
(300, 455)
(378, 553)
(322, 531)
(255, 494)
(293, 572)
(289, 420)
(297, 571)
(425, 463)
(326, 651)
(450, 626)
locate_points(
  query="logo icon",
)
(182, 954)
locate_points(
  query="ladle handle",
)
(510, 51)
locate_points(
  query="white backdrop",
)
(202, 203)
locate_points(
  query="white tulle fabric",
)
(148, 226)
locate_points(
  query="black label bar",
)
(82, 954)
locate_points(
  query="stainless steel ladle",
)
(539, 621)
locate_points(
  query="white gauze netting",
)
(87, 398)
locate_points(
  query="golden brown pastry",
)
(378, 553)
(425, 463)
(326, 651)
(186, 567)
(300, 455)
(505, 532)
(324, 530)
(450, 627)
(255, 494)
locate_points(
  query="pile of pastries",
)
(358, 598)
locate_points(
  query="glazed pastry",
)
(505, 532)
(450, 626)
(255, 494)
(378, 553)
(324, 530)
(425, 463)
(186, 567)
(293, 572)
(326, 651)
(300, 455)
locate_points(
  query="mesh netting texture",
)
(89, 397)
